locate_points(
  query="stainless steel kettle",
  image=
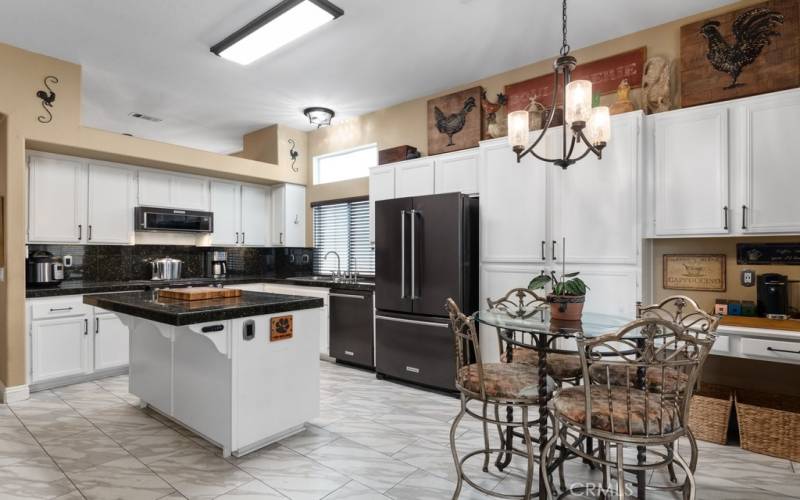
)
(166, 268)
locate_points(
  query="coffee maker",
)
(216, 264)
(773, 296)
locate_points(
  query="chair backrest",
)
(517, 303)
(637, 349)
(685, 312)
(467, 349)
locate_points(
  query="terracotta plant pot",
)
(566, 307)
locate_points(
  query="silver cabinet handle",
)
(543, 245)
(555, 257)
(402, 254)
(85, 326)
(413, 321)
(89, 237)
(347, 296)
(80, 232)
(782, 350)
(725, 212)
(744, 216)
(414, 295)
(237, 237)
(56, 309)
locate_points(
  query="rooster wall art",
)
(752, 31)
(453, 123)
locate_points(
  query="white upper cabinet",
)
(691, 172)
(255, 215)
(110, 204)
(289, 216)
(381, 187)
(513, 205)
(457, 172)
(166, 189)
(595, 202)
(226, 206)
(414, 177)
(770, 175)
(56, 199)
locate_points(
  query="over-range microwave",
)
(171, 219)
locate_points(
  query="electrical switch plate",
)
(748, 277)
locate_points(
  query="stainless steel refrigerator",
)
(426, 250)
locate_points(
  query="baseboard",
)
(77, 379)
(14, 394)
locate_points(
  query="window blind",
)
(344, 229)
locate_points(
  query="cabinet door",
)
(512, 205)
(414, 178)
(59, 348)
(771, 149)
(381, 187)
(255, 213)
(613, 290)
(189, 192)
(155, 189)
(110, 207)
(595, 202)
(295, 216)
(227, 208)
(56, 200)
(278, 216)
(457, 172)
(110, 342)
(691, 172)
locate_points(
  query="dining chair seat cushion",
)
(571, 404)
(502, 381)
(658, 379)
(559, 366)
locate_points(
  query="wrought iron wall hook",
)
(293, 153)
(47, 99)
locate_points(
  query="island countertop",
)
(148, 305)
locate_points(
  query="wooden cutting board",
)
(199, 293)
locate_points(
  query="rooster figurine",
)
(490, 108)
(752, 31)
(453, 123)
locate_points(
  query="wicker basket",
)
(769, 423)
(711, 413)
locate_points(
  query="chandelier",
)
(590, 126)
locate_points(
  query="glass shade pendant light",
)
(578, 113)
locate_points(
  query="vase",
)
(566, 307)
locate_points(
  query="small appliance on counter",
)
(216, 264)
(773, 296)
(166, 268)
(42, 268)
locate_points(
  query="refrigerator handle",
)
(413, 254)
(402, 254)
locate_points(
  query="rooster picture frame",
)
(741, 53)
(455, 121)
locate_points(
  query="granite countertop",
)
(147, 305)
(79, 287)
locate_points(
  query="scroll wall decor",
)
(293, 154)
(48, 98)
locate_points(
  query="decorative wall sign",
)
(605, 75)
(455, 121)
(743, 52)
(281, 328)
(768, 253)
(48, 98)
(694, 272)
(293, 154)
(656, 95)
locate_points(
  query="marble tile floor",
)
(374, 440)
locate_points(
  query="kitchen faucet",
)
(338, 263)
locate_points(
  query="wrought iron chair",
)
(490, 384)
(632, 413)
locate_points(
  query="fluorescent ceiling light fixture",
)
(284, 23)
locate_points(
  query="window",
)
(344, 165)
(343, 227)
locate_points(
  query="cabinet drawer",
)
(774, 350)
(73, 306)
(722, 345)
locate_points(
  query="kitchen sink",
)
(331, 279)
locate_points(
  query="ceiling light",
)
(321, 117)
(143, 116)
(287, 21)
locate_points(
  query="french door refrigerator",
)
(426, 250)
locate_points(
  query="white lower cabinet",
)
(110, 341)
(59, 348)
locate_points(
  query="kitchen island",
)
(241, 371)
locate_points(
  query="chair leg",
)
(689, 485)
(526, 431)
(694, 451)
(456, 460)
(620, 471)
(603, 448)
(545, 459)
(561, 478)
(500, 432)
(486, 455)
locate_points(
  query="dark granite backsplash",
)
(121, 263)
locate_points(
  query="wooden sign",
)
(694, 272)
(605, 75)
(787, 254)
(713, 68)
(455, 121)
(281, 328)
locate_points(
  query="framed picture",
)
(455, 121)
(694, 272)
(281, 328)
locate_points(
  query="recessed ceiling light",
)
(287, 21)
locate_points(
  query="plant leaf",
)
(572, 275)
(539, 282)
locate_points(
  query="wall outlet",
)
(67, 260)
(748, 277)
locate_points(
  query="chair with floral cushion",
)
(632, 413)
(489, 384)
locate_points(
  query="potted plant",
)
(568, 295)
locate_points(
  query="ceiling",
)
(152, 56)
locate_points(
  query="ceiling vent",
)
(146, 117)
